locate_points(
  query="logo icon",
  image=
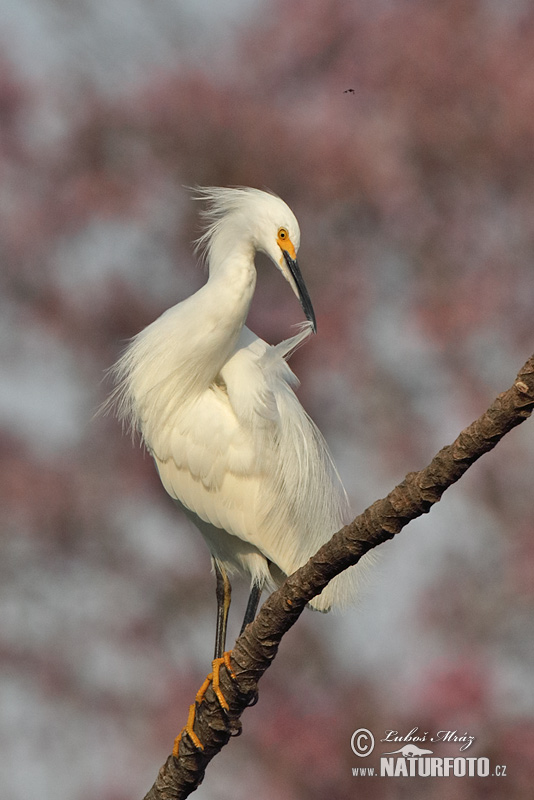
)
(409, 751)
(362, 742)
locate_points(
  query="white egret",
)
(215, 407)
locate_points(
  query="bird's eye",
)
(283, 234)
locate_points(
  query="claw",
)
(214, 679)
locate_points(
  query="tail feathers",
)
(309, 494)
(344, 589)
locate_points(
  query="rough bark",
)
(257, 647)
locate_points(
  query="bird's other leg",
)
(224, 596)
(252, 605)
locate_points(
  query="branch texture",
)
(257, 646)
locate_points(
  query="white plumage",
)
(216, 408)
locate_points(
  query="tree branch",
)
(257, 646)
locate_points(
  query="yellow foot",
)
(214, 679)
(190, 732)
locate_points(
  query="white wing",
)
(245, 457)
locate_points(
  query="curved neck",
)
(182, 352)
(219, 310)
(229, 290)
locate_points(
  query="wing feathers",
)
(245, 457)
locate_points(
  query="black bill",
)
(304, 297)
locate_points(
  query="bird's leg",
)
(252, 605)
(223, 594)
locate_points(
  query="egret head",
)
(261, 221)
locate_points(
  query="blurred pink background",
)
(415, 195)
